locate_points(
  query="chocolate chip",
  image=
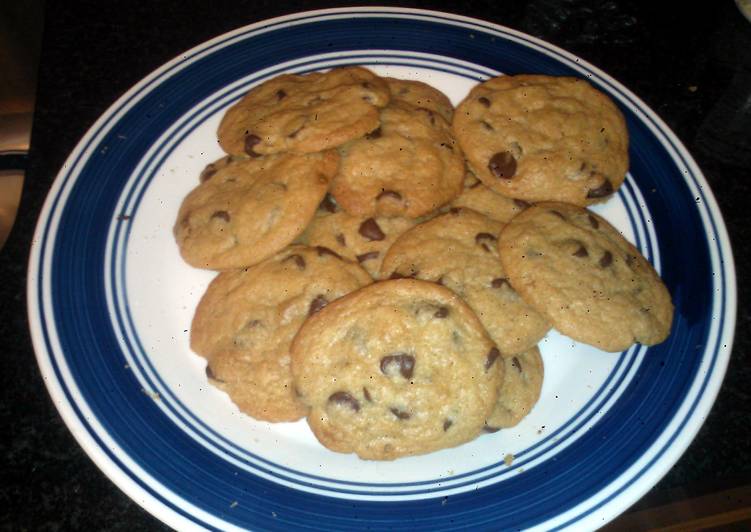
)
(370, 230)
(401, 362)
(322, 250)
(581, 252)
(397, 275)
(366, 394)
(441, 313)
(207, 173)
(455, 210)
(489, 429)
(593, 221)
(328, 204)
(483, 101)
(479, 237)
(375, 134)
(630, 260)
(493, 354)
(600, 192)
(447, 424)
(606, 259)
(499, 282)
(345, 399)
(210, 375)
(522, 204)
(389, 194)
(368, 256)
(221, 215)
(341, 240)
(250, 142)
(317, 304)
(517, 364)
(280, 95)
(502, 165)
(298, 259)
(401, 414)
(487, 126)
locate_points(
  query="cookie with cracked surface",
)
(478, 197)
(364, 240)
(459, 250)
(520, 390)
(409, 166)
(398, 368)
(304, 113)
(543, 138)
(585, 277)
(245, 322)
(422, 95)
(246, 209)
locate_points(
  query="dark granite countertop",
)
(692, 65)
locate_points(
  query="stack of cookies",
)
(388, 264)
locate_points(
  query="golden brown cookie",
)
(247, 318)
(578, 271)
(520, 390)
(397, 368)
(482, 199)
(247, 209)
(422, 95)
(543, 138)
(304, 113)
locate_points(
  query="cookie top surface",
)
(585, 277)
(422, 95)
(245, 322)
(522, 382)
(397, 368)
(409, 167)
(247, 209)
(478, 197)
(543, 138)
(459, 250)
(359, 239)
(304, 113)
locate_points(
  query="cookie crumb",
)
(508, 459)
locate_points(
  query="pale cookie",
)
(520, 390)
(397, 368)
(245, 210)
(540, 138)
(422, 95)
(409, 167)
(304, 113)
(364, 240)
(578, 271)
(482, 199)
(459, 250)
(247, 318)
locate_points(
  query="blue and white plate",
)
(111, 302)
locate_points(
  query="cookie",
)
(397, 368)
(578, 271)
(459, 250)
(246, 209)
(408, 167)
(245, 322)
(482, 199)
(363, 240)
(304, 113)
(543, 138)
(522, 382)
(422, 95)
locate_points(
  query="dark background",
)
(691, 62)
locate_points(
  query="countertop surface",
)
(691, 65)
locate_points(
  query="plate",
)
(110, 306)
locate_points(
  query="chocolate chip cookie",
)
(520, 390)
(304, 113)
(397, 368)
(409, 166)
(482, 199)
(247, 318)
(578, 271)
(422, 95)
(539, 138)
(459, 250)
(246, 209)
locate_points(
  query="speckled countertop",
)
(692, 66)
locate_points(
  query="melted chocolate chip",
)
(298, 259)
(493, 355)
(447, 424)
(593, 221)
(401, 414)
(366, 394)
(499, 282)
(375, 134)
(345, 399)
(455, 210)
(341, 240)
(207, 173)
(368, 256)
(517, 364)
(489, 429)
(401, 362)
(522, 204)
(328, 204)
(250, 142)
(480, 237)
(581, 252)
(317, 304)
(487, 126)
(389, 194)
(482, 100)
(371, 230)
(322, 250)
(502, 165)
(280, 95)
(221, 215)
(606, 259)
(441, 313)
(600, 192)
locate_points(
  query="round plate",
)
(110, 306)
